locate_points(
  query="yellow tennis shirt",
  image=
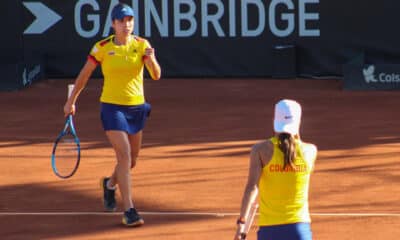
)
(122, 67)
(284, 192)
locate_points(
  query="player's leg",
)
(135, 141)
(121, 176)
(131, 217)
(121, 143)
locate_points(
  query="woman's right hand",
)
(69, 109)
(239, 231)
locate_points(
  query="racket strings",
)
(66, 155)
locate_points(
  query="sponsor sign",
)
(211, 38)
(184, 18)
(20, 75)
(187, 34)
(373, 76)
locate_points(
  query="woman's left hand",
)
(149, 59)
(149, 53)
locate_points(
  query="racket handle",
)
(70, 88)
(243, 236)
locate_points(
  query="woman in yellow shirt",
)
(279, 174)
(123, 107)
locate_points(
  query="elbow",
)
(157, 76)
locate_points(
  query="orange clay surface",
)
(194, 160)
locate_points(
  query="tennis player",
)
(122, 57)
(279, 174)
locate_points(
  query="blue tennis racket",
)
(66, 153)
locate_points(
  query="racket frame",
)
(69, 128)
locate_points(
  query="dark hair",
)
(288, 146)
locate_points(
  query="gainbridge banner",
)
(211, 38)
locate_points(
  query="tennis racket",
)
(249, 220)
(66, 152)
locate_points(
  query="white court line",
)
(213, 214)
(357, 214)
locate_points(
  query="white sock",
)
(109, 187)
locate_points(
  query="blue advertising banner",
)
(212, 38)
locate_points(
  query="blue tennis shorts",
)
(296, 231)
(130, 119)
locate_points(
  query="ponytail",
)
(288, 146)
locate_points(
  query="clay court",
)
(192, 168)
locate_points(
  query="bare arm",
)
(251, 190)
(80, 83)
(151, 64)
(311, 155)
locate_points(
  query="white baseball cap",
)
(287, 117)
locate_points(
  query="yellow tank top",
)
(122, 67)
(283, 193)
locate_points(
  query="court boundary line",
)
(211, 214)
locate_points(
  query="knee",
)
(123, 156)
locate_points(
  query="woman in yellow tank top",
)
(279, 175)
(124, 110)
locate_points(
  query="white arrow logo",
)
(45, 18)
